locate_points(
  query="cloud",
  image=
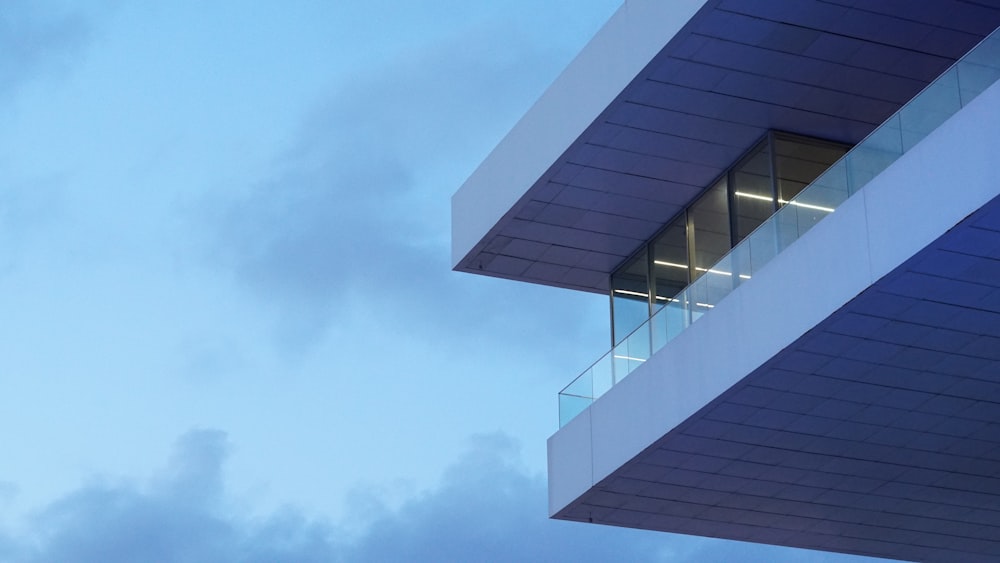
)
(181, 516)
(488, 509)
(358, 207)
(119, 522)
(31, 42)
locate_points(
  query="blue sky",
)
(231, 332)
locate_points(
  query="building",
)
(806, 343)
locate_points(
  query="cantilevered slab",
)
(846, 398)
(654, 109)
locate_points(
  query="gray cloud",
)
(181, 516)
(31, 42)
(358, 209)
(487, 509)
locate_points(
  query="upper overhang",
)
(668, 95)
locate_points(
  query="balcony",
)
(950, 92)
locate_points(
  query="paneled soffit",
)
(833, 69)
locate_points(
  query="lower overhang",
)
(845, 399)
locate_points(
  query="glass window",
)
(629, 297)
(670, 262)
(696, 240)
(799, 161)
(708, 223)
(753, 192)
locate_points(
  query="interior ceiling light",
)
(628, 292)
(754, 196)
(711, 271)
(785, 201)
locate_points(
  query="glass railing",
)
(955, 88)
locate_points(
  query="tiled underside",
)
(833, 69)
(877, 432)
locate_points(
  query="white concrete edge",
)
(931, 188)
(607, 64)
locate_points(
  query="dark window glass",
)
(670, 261)
(630, 297)
(753, 193)
(800, 161)
(708, 223)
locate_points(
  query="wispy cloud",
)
(357, 210)
(33, 40)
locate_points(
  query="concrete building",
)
(793, 208)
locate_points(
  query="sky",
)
(231, 332)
